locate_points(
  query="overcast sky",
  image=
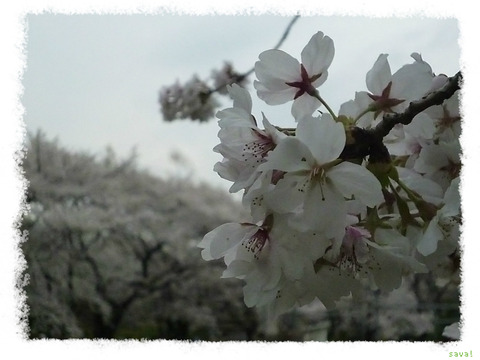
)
(93, 80)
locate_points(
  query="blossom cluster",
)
(194, 100)
(327, 215)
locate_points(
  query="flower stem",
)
(366, 111)
(411, 194)
(317, 96)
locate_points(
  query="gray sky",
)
(93, 80)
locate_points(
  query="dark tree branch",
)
(416, 107)
(369, 142)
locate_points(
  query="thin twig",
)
(280, 42)
(240, 77)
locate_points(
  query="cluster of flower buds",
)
(195, 99)
(366, 195)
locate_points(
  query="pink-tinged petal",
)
(277, 64)
(241, 98)
(305, 105)
(318, 54)
(287, 156)
(352, 179)
(324, 137)
(379, 76)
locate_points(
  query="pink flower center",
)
(257, 241)
(255, 151)
(350, 252)
(305, 85)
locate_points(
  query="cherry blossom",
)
(243, 145)
(316, 182)
(445, 225)
(328, 213)
(281, 78)
(265, 256)
(392, 93)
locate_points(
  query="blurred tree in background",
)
(111, 253)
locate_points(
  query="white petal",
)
(235, 117)
(237, 268)
(287, 156)
(324, 137)
(379, 76)
(452, 199)
(431, 159)
(428, 243)
(266, 274)
(277, 65)
(318, 54)
(272, 131)
(321, 79)
(305, 105)
(285, 197)
(388, 274)
(352, 179)
(329, 285)
(412, 81)
(422, 126)
(427, 188)
(224, 238)
(241, 97)
(277, 96)
(324, 210)
(292, 263)
(252, 296)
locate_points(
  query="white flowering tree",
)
(110, 252)
(362, 196)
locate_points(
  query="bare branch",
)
(416, 107)
(369, 142)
